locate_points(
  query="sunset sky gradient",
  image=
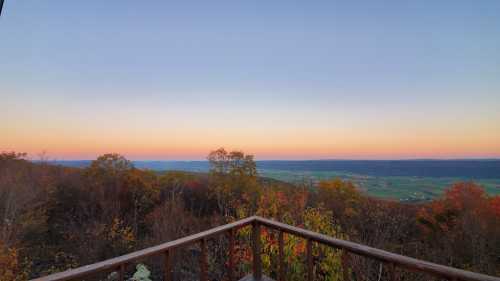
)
(277, 79)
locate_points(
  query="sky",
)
(165, 80)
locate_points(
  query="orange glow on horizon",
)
(287, 152)
(266, 137)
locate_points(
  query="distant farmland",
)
(404, 188)
(406, 180)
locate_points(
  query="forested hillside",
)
(53, 218)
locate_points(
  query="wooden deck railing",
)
(167, 249)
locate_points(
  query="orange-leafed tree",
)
(342, 198)
(495, 205)
(462, 228)
(463, 201)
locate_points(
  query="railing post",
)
(167, 262)
(257, 263)
(309, 253)
(281, 256)
(203, 260)
(121, 272)
(345, 265)
(392, 272)
(230, 270)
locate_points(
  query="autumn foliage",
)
(466, 223)
(54, 218)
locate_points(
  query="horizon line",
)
(325, 159)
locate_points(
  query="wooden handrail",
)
(167, 249)
(115, 263)
(398, 260)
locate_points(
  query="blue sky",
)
(238, 72)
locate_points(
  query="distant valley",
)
(404, 180)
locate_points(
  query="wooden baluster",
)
(121, 272)
(281, 256)
(310, 272)
(167, 262)
(345, 265)
(392, 272)
(230, 271)
(257, 262)
(203, 260)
